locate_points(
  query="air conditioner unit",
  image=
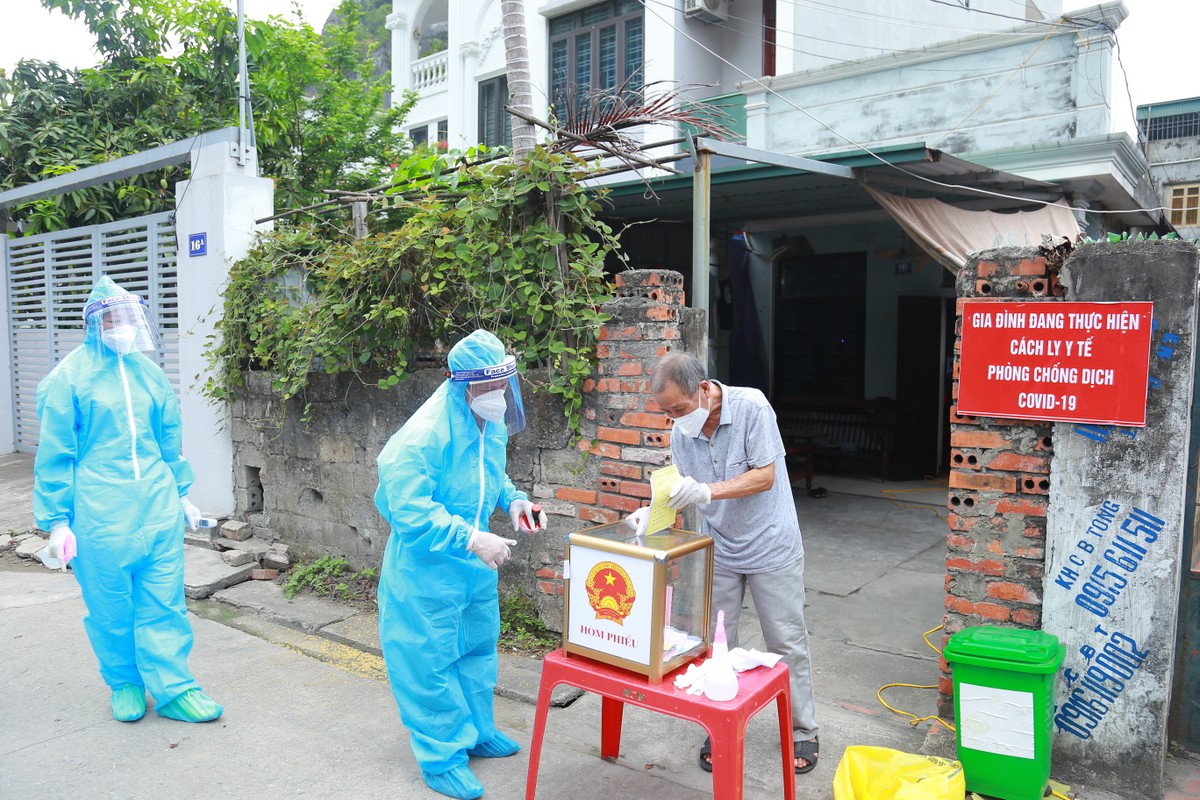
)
(707, 10)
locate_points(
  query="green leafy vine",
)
(515, 247)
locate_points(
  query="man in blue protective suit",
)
(440, 477)
(111, 487)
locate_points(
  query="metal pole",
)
(701, 231)
(243, 84)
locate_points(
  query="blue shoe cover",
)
(499, 746)
(458, 782)
(191, 706)
(129, 702)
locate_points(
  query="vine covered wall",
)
(310, 481)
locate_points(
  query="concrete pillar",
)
(1091, 83)
(757, 134)
(1115, 532)
(215, 223)
(464, 125)
(402, 52)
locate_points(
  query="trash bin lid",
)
(1006, 648)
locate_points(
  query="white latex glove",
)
(491, 549)
(526, 515)
(693, 679)
(62, 543)
(638, 520)
(689, 491)
(191, 514)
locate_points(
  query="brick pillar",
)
(999, 480)
(626, 434)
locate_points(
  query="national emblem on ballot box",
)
(641, 603)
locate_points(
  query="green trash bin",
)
(1004, 708)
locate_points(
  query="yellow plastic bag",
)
(880, 773)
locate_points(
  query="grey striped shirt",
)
(758, 533)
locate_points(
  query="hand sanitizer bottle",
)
(720, 680)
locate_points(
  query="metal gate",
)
(49, 277)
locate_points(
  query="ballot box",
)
(641, 603)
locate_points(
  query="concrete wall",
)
(1024, 494)
(860, 29)
(311, 483)
(1117, 506)
(959, 99)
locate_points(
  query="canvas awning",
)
(950, 233)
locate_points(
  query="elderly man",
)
(727, 446)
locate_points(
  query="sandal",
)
(809, 751)
(706, 755)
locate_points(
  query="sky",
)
(1156, 43)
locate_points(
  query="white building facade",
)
(451, 52)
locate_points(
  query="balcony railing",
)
(430, 72)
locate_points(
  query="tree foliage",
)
(168, 71)
(492, 246)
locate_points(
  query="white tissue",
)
(743, 659)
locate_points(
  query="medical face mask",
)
(490, 405)
(120, 338)
(692, 423)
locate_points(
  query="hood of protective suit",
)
(478, 350)
(105, 288)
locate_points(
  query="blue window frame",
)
(600, 47)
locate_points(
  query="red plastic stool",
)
(725, 722)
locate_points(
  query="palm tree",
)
(516, 55)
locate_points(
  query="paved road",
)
(310, 717)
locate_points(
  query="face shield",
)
(494, 394)
(120, 324)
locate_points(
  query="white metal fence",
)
(49, 277)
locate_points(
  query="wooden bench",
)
(836, 431)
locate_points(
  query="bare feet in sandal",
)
(806, 754)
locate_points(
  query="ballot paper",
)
(676, 641)
(662, 481)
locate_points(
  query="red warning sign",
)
(1067, 362)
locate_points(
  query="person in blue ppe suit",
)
(111, 487)
(440, 478)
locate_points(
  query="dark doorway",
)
(921, 445)
(820, 321)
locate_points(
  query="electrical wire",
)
(914, 719)
(888, 19)
(868, 151)
(937, 512)
(988, 99)
(937, 48)
(1002, 16)
(1125, 76)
